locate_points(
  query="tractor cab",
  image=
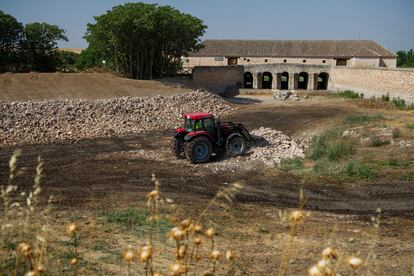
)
(201, 121)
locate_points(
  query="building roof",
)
(292, 48)
(72, 50)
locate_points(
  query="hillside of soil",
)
(87, 86)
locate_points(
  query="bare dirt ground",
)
(89, 86)
(91, 177)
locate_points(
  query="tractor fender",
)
(179, 134)
(194, 134)
(231, 137)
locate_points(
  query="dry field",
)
(101, 185)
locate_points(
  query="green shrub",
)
(349, 94)
(339, 148)
(356, 119)
(288, 164)
(407, 177)
(362, 171)
(409, 125)
(365, 171)
(331, 145)
(385, 98)
(399, 103)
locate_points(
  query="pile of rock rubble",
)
(271, 146)
(285, 96)
(49, 121)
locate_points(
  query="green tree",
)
(89, 58)
(39, 45)
(405, 58)
(143, 41)
(67, 60)
(10, 37)
(401, 58)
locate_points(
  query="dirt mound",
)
(49, 121)
(88, 86)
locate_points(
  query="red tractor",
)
(203, 135)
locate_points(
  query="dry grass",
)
(197, 249)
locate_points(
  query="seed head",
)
(40, 268)
(176, 234)
(185, 224)
(322, 264)
(210, 232)
(215, 255)
(153, 194)
(177, 269)
(128, 256)
(182, 250)
(230, 256)
(314, 271)
(197, 241)
(74, 261)
(296, 216)
(24, 249)
(329, 253)
(146, 254)
(355, 262)
(197, 228)
(72, 228)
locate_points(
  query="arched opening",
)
(248, 80)
(267, 80)
(323, 79)
(303, 79)
(284, 81)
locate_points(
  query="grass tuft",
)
(349, 94)
(137, 220)
(294, 163)
(358, 119)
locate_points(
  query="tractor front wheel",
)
(237, 146)
(199, 150)
(177, 148)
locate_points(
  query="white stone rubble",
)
(271, 146)
(51, 121)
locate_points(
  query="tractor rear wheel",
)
(199, 150)
(177, 148)
(237, 146)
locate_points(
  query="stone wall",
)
(224, 80)
(375, 82)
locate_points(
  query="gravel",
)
(51, 121)
(271, 146)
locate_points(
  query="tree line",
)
(405, 58)
(134, 40)
(29, 47)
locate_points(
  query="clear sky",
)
(390, 23)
